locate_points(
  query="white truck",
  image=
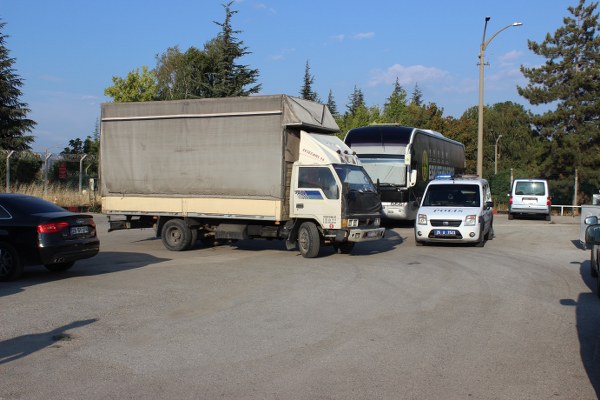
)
(227, 169)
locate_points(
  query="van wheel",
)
(490, 234)
(481, 241)
(176, 235)
(309, 240)
(11, 266)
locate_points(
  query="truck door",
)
(316, 194)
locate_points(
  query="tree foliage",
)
(569, 80)
(137, 86)
(14, 124)
(307, 92)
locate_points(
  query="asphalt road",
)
(516, 319)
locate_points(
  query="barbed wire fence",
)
(46, 162)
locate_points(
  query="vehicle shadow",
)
(105, 262)
(22, 346)
(388, 243)
(587, 310)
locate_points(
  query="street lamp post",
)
(482, 48)
(496, 156)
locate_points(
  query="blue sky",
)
(67, 51)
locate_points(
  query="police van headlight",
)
(422, 219)
(471, 220)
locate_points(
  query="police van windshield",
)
(452, 195)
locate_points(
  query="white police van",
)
(455, 209)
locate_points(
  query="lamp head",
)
(487, 19)
(517, 24)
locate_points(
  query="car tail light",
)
(52, 227)
(510, 200)
(549, 201)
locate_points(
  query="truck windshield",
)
(355, 177)
(452, 195)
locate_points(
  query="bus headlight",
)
(422, 219)
(470, 220)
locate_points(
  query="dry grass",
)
(62, 196)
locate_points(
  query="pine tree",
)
(231, 78)
(307, 92)
(13, 113)
(331, 104)
(569, 81)
(417, 96)
(357, 101)
(395, 108)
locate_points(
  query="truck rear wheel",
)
(176, 235)
(309, 240)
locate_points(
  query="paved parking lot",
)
(516, 319)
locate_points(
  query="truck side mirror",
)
(591, 220)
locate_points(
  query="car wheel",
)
(59, 267)
(309, 240)
(343, 248)
(176, 235)
(11, 265)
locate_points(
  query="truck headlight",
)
(352, 223)
(377, 222)
(471, 220)
(422, 219)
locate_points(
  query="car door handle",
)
(300, 205)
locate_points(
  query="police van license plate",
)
(444, 232)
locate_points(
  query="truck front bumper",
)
(366, 234)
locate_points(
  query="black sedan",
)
(34, 231)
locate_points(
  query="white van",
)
(455, 210)
(529, 197)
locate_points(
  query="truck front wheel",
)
(176, 235)
(309, 240)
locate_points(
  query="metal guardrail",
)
(562, 208)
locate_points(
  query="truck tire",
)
(309, 240)
(11, 265)
(343, 248)
(176, 235)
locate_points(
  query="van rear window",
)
(530, 189)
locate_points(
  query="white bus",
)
(402, 160)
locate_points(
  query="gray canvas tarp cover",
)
(232, 147)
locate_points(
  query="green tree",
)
(230, 77)
(137, 86)
(14, 123)
(417, 96)
(569, 80)
(331, 104)
(307, 92)
(394, 110)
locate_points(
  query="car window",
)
(29, 205)
(4, 214)
(530, 189)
